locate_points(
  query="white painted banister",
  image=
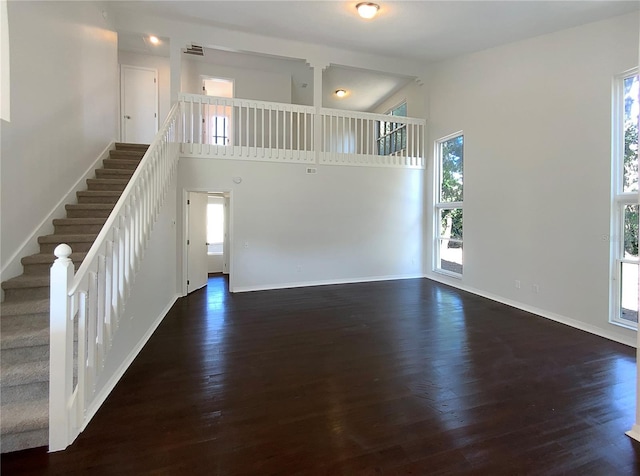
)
(245, 129)
(89, 303)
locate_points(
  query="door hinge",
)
(188, 242)
(187, 282)
(203, 88)
(154, 80)
(203, 120)
(188, 202)
(155, 114)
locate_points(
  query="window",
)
(624, 227)
(391, 137)
(215, 228)
(448, 214)
(217, 116)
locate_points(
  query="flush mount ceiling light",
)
(341, 93)
(367, 10)
(154, 40)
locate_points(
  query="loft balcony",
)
(246, 129)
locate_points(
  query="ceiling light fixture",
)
(154, 40)
(367, 10)
(341, 93)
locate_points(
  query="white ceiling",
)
(424, 31)
(421, 30)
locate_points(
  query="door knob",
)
(127, 117)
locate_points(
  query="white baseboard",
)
(631, 341)
(634, 433)
(117, 375)
(30, 245)
(324, 282)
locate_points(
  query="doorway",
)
(207, 237)
(138, 104)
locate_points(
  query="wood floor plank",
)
(388, 378)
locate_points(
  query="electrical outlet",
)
(517, 284)
(536, 288)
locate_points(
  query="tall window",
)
(624, 235)
(217, 117)
(449, 173)
(215, 228)
(392, 136)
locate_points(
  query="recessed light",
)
(154, 40)
(367, 10)
(341, 93)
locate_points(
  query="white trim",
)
(634, 432)
(325, 282)
(108, 387)
(30, 245)
(631, 341)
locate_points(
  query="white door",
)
(196, 241)
(138, 104)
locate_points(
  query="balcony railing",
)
(267, 131)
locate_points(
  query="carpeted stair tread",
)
(26, 281)
(114, 173)
(24, 373)
(44, 258)
(68, 238)
(126, 154)
(19, 308)
(79, 221)
(25, 416)
(123, 164)
(90, 206)
(24, 331)
(131, 146)
(109, 196)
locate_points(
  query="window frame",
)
(619, 201)
(398, 130)
(439, 206)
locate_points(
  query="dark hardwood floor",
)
(388, 378)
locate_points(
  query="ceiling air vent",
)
(196, 50)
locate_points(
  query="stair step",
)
(125, 164)
(26, 287)
(20, 308)
(114, 173)
(98, 197)
(126, 154)
(22, 417)
(79, 242)
(23, 373)
(78, 225)
(131, 146)
(89, 210)
(41, 263)
(117, 185)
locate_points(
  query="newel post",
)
(61, 350)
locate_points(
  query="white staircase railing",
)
(87, 306)
(246, 128)
(243, 129)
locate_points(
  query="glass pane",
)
(451, 256)
(629, 292)
(451, 223)
(631, 231)
(451, 152)
(631, 108)
(401, 110)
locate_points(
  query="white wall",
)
(64, 83)
(289, 228)
(164, 77)
(537, 122)
(248, 83)
(413, 93)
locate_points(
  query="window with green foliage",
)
(624, 235)
(391, 137)
(448, 213)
